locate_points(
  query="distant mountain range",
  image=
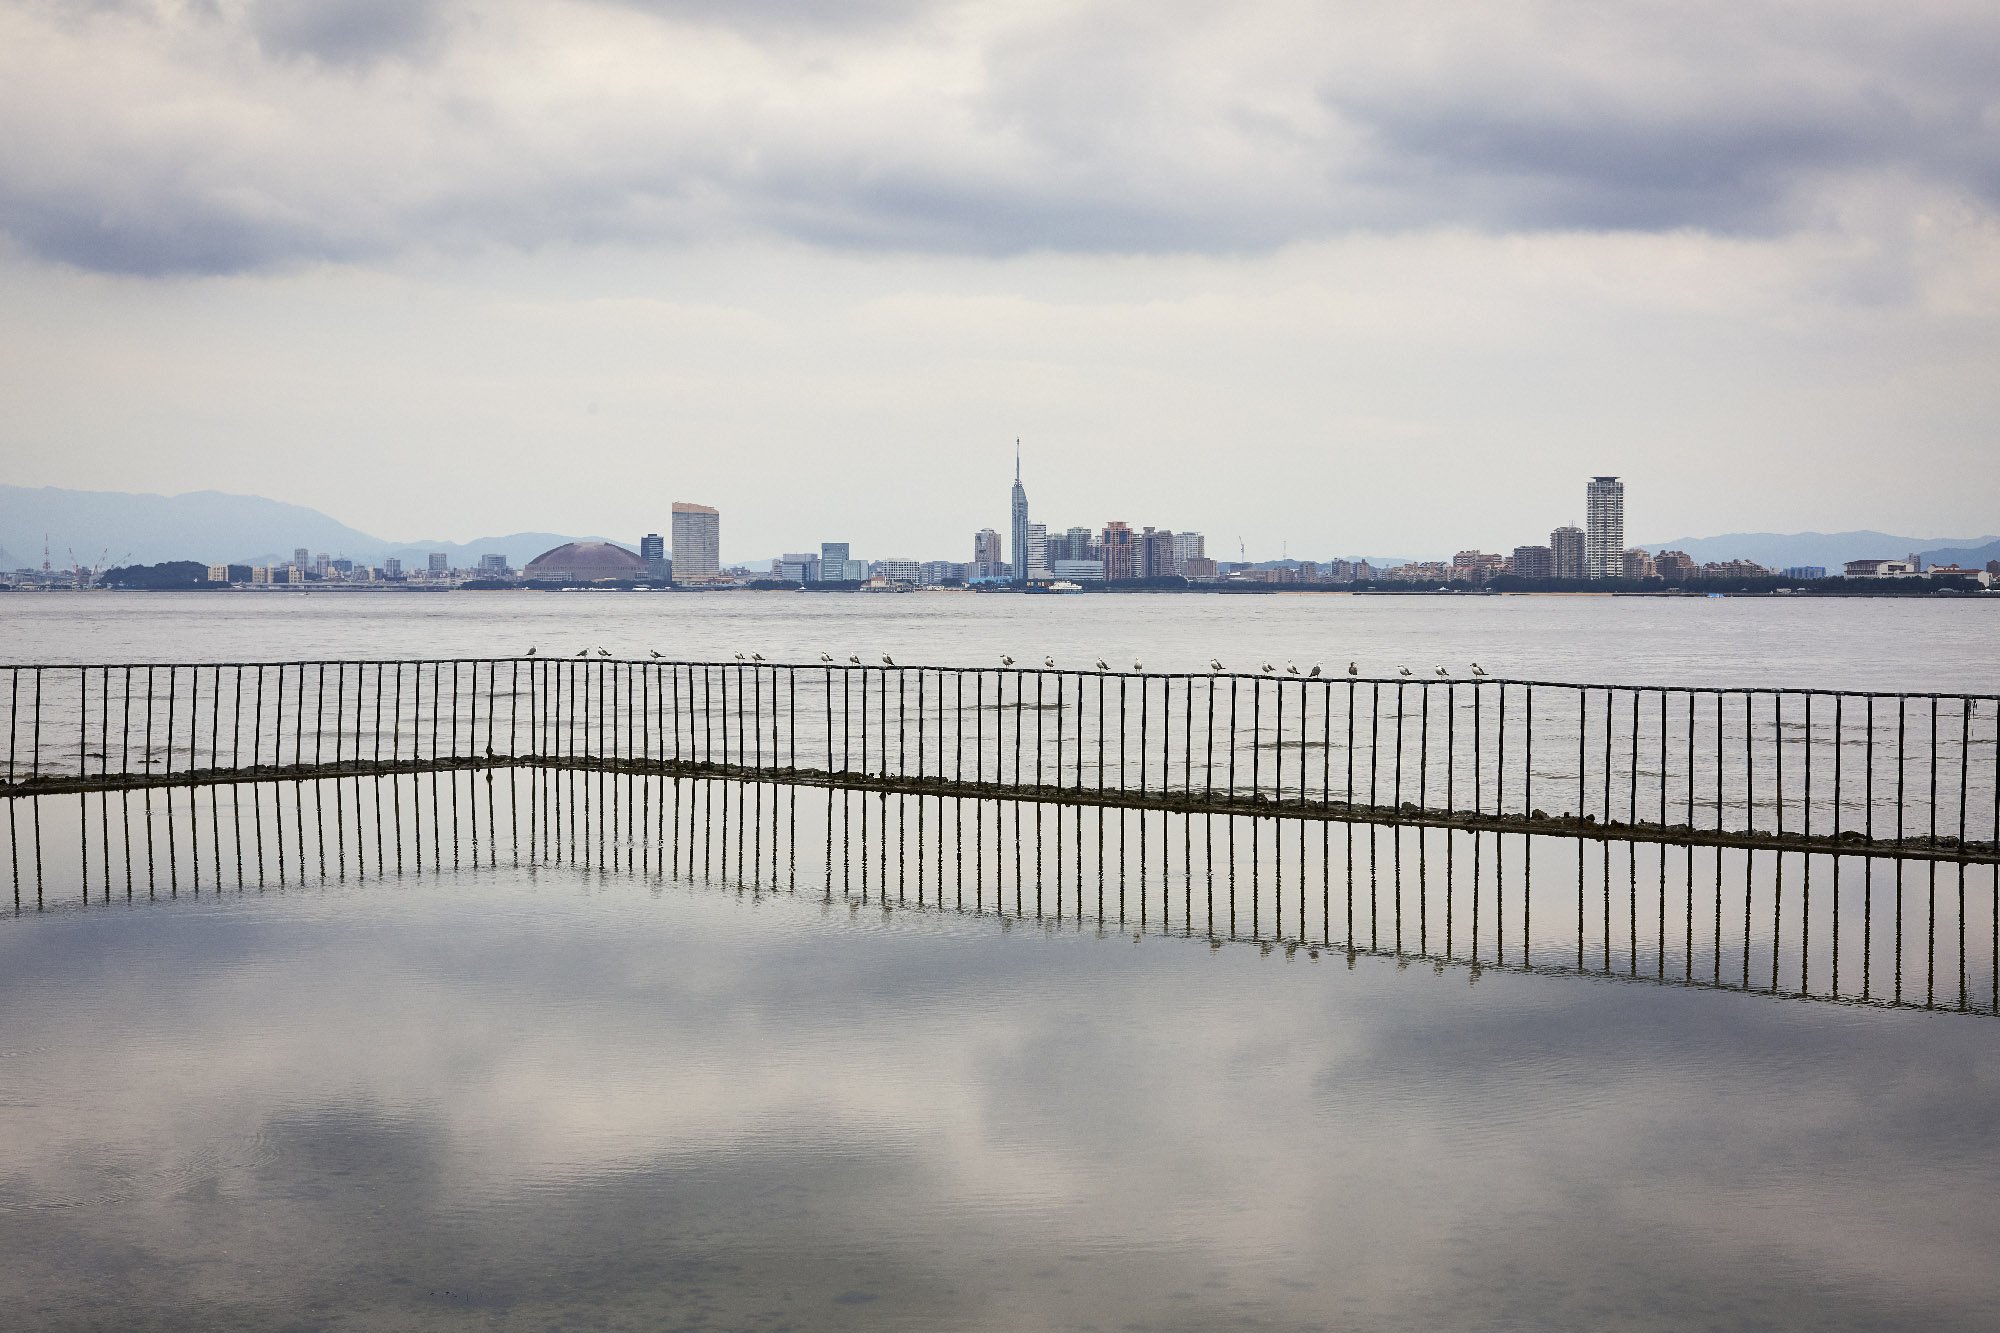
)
(1831, 550)
(118, 528)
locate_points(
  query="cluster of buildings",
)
(307, 567)
(1032, 556)
(1597, 552)
(1029, 556)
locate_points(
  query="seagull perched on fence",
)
(826, 657)
(1268, 668)
(529, 653)
(657, 654)
(1478, 670)
(1049, 661)
(1442, 673)
(1405, 672)
(1215, 664)
(1291, 668)
(739, 657)
(1137, 665)
(584, 652)
(854, 659)
(1103, 665)
(602, 651)
(888, 660)
(1314, 673)
(1353, 670)
(1006, 659)
(756, 657)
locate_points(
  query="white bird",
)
(826, 657)
(1268, 668)
(1442, 673)
(1353, 670)
(1291, 669)
(756, 657)
(602, 651)
(1103, 665)
(530, 652)
(739, 657)
(1314, 673)
(1006, 659)
(1478, 670)
(1049, 661)
(854, 659)
(888, 660)
(657, 654)
(1215, 664)
(1405, 672)
(583, 652)
(1137, 665)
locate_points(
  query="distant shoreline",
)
(1902, 590)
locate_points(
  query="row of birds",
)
(1049, 663)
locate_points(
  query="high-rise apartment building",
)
(1566, 552)
(1604, 529)
(1038, 551)
(697, 533)
(833, 558)
(1156, 554)
(1020, 521)
(392, 567)
(1534, 562)
(653, 550)
(1187, 546)
(301, 556)
(988, 561)
(437, 562)
(1121, 552)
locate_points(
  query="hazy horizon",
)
(1324, 280)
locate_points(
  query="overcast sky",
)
(1334, 277)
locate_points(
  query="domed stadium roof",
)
(586, 562)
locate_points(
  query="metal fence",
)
(1915, 770)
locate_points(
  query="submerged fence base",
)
(1253, 804)
(1848, 927)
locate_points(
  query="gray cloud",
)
(351, 32)
(272, 133)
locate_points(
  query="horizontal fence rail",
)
(1847, 926)
(1743, 766)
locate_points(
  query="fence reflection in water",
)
(1848, 927)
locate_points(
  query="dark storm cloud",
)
(285, 131)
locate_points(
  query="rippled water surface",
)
(461, 1074)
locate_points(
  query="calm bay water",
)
(1873, 643)
(612, 1094)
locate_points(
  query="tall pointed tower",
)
(1020, 524)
